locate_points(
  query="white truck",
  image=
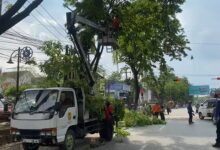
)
(57, 116)
(54, 116)
(206, 108)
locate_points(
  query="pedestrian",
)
(217, 117)
(162, 116)
(190, 112)
(168, 109)
(156, 109)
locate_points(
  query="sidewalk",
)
(180, 113)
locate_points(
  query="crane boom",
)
(72, 20)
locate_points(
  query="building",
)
(10, 78)
(118, 90)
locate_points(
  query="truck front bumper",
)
(34, 136)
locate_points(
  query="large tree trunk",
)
(11, 18)
(162, 96)
(136, 86)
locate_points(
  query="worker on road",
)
(190, 112)
(217, 116)
(156, 109)
(162, 116)
(109, 118)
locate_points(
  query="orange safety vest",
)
(156, 108)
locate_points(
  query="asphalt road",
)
(177, 134)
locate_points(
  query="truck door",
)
(67, 115)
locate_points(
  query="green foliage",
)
(157, 121)
(11, 91)
(119, 109)
(121, 132)
(179, 92)
(130, 119)
(58, 65)
(147, 110)
(166, 88)
(95, 105)
(133, 118)
(115, 76)
(142, 119)
(150, 31)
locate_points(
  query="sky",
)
(199, 18)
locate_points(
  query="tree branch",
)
(13, 21)
(12, 11)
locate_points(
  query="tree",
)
(150, 31)
(100, 12)
(59, 63)
(115, 76)
(178, 91)
(12, 16)
(167, 88)
(158, 83)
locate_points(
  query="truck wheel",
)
(200, 116)
(69, 142)
(29, 146)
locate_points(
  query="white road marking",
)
(161, 128)
(143, 147)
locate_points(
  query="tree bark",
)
(12, 11)
(10, 22)
(136, 86)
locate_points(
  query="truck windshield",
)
(36, 101)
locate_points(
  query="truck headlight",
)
(42, 133)
(49, 132)
(14, 131)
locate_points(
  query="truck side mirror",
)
(57, 106)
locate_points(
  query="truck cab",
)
(52, 116)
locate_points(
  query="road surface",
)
(177, 134)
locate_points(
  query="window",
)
(212, 104)
(66, 101)
(205, 103)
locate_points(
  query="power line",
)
(16, 43)
(19, 35)
(41, 5)
(45, 27)
(28, 42)
(4, 57)
(4, 54)
(201, 75)
(205, 43)
(49, 22)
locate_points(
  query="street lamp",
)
(22, 54)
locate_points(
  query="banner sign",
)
(199, 90)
